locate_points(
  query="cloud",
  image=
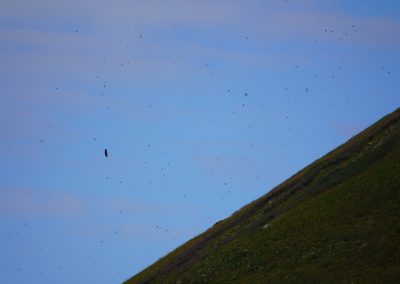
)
(222, 164)
(131, 205)
(136, 232)
(107, 13)
(20, 202)
(40, 43)
(348, 129)
(44, 203)
(111, 23)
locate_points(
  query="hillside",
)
(335, 221)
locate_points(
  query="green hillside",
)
(336, 221)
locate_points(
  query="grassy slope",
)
(337, 220)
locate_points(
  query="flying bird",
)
(105, 153)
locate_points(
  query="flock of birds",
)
(245, 94)
(307, 90)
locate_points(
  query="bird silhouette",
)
(105, 153)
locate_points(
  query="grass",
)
(336, 221)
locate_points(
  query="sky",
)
(203, 107)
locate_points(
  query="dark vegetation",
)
(336, 221)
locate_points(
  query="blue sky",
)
(203, 106)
